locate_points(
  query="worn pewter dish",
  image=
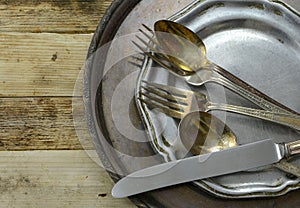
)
(259, 42)
(114, 123)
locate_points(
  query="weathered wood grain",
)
(56, 16)
(41, 64)
(55, 179)
(43, 46)
(43, 123)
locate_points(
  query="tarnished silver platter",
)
(258, 41)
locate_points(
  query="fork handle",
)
(247, 91)
(286, 119)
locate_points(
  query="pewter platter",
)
(258, 41)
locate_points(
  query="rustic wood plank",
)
(55, 179)
(59, 16)
(41, 64)
(43, 123)
(43, 48)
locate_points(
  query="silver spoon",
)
(186, 51)
(201, 133)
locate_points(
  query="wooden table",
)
(43, 163)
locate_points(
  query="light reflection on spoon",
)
(185, 50)
(201, 133)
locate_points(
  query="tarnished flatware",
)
(241, 158)
(189, 62)
(177, 103)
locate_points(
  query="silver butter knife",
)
(241, 158)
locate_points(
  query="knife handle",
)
(293, 148)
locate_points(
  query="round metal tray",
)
(258, 41)
(113, 120)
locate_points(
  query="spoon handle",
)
(288, 167)
(247, 91)
(286, 119)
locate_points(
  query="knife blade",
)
(241, 158)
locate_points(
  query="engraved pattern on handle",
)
(249, 92)
(284, 165)
(259, 101)
(290, 120)
(293, 148)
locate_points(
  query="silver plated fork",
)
(177, 103)
(152, 49)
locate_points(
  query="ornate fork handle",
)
(247, 91)
(286, 119)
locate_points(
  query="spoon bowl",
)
(187, 52)
(184, 48)
(201, 132)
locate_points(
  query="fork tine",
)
(154, 58)
(168, 111)
(165, 102)
(144, 50)
(165, 94)
(148, 28)
(152, 39)
(171, 90)
(146, 44)
(169, 99)
(159, 57)
(137, 60)
(146, 35)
